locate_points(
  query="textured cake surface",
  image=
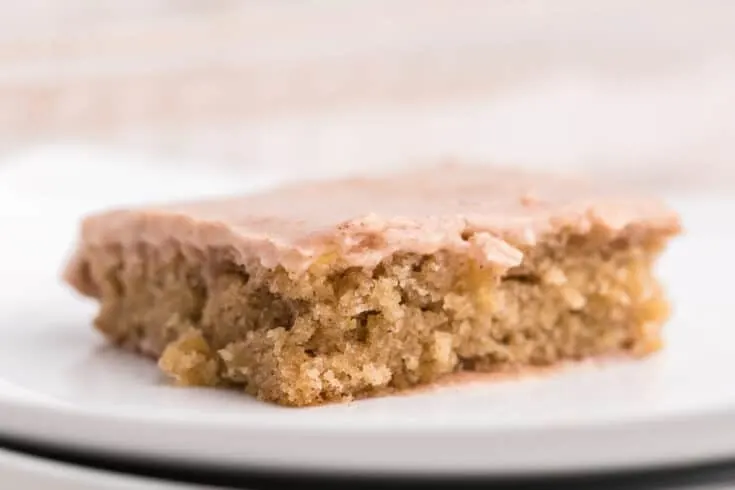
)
(334, 290)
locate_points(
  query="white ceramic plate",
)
(60, 384)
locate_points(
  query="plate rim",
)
(560, 450)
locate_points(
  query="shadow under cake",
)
(350, 288)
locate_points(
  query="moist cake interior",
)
(340, 332)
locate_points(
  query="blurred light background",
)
(640, 90)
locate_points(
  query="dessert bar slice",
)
(358, 287)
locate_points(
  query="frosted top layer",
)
(489, 213)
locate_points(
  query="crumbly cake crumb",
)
(338, 333)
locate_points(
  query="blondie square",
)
(351, 288)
